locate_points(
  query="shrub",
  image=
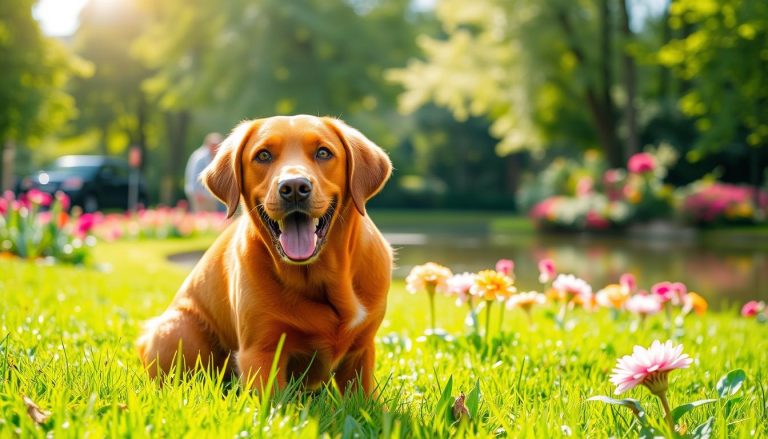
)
(38, 226)
(707, 203)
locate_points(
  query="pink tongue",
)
(298, 239)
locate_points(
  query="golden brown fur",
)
(244, 293)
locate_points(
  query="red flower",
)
(85, 223)
(752, 308)
(39, 198)
(641, 163)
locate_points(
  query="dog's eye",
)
(323, 153)
(264, 156)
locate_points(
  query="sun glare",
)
(58, 17)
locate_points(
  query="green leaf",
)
(648, 432)
(730, 383)
(705, 430)
(352, 428)
(444, 404)
(632, 404)
(680, 410)
(473, 400)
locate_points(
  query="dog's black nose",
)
(295, 189)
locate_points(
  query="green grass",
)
(66, 341)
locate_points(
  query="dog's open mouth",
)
(298, 236)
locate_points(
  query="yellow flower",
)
(492, 285)
(694, 302)
(429, 277)
(612, 296)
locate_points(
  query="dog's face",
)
(295, 175)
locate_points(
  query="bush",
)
(710, 203)
(38, 226)
(587, 196)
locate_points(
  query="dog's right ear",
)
(224, 176)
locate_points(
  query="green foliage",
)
(110, 99)
(33, 74)
(251, 59)
(527, 66)
(722, 56)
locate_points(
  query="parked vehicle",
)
(93, 182)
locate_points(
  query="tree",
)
(111, 99)
(531, 67)
(219, 63)
(723, 59)
(33, 72)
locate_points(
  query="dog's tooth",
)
(316, 221)
(280, 225)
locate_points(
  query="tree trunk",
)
(176, 125)
(8, 158)
(141, 128)
(630, 84)
(608, 120)
(598, 99)
(512, 173)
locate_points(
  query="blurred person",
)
(200, 199)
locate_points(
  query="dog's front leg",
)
(255, 365)
(357, 368)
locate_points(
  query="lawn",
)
(66, 342)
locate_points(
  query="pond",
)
(723, 272)
(730, 270)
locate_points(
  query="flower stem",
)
(501, 317)
(432, 308)
(667, 412)
(473, 313)
(488, 304)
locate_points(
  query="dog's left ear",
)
(368, 166)
(223, 177)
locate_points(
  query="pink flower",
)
(570, 287)
(546, 270)
(649, 367)
(643, 304)
(63, 199)
(85, 223)
(459, 285)
(613, 176)
(584, 187)
(752, 308)
(3, 206)
(505, 266)
(628, 282)
(39, 198)
(44, 217)
(429, 277)
(641, 163)
(669, 291)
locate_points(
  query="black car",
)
(93, 182)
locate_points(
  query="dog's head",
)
(295, 174)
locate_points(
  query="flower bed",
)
(28, 230)
(159, 223)
(570, 195)
(709, 203)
